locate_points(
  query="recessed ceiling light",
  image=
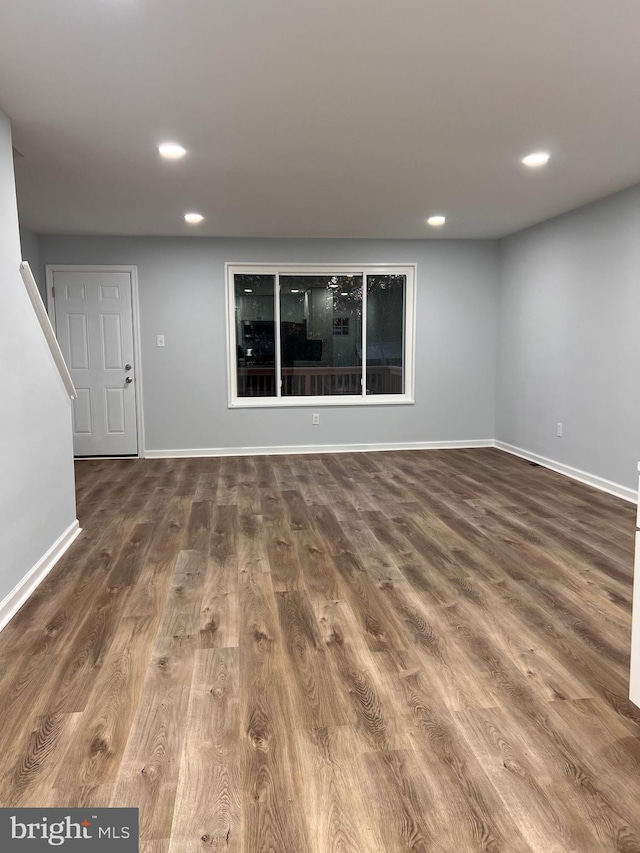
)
(171, 150)
(295, 291)
(193, 218)
(436, 221)
(248, 290)
(538, 158)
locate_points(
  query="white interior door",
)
(94, 326)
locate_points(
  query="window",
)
(341, 326)
(320, 335)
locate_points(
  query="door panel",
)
(94, 324)
(78, 342)
(75, 291)
(114, 406)
(82, 412)
(112, 342)
(109, 291)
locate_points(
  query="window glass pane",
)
(321, 335)
(255, 335)
(385, 334)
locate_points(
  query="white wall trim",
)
(11, 603)
(50, 269)
(137, 350)
(574, 473)
(634, 669)
(47, 329)
(316, 448)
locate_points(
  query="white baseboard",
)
(10, 605)
(315, 448)
(574, 473)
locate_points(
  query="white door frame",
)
(135, 309)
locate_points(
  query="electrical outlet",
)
(159, 340)
(559, 429)
(315, 419)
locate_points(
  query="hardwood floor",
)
(412, 651)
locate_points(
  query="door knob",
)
(128, 380)
(127, 367)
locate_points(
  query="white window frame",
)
(410, 273)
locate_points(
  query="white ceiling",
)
(318, 118)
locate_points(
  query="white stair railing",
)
(47, 328)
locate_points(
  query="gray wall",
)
(182, 295)
(30, 247)
(569, 347)
(37, 500)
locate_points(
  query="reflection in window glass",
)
(255, 335)
(305, 334)
(316, 359)
(385, 334)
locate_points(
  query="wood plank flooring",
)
(359, 653)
